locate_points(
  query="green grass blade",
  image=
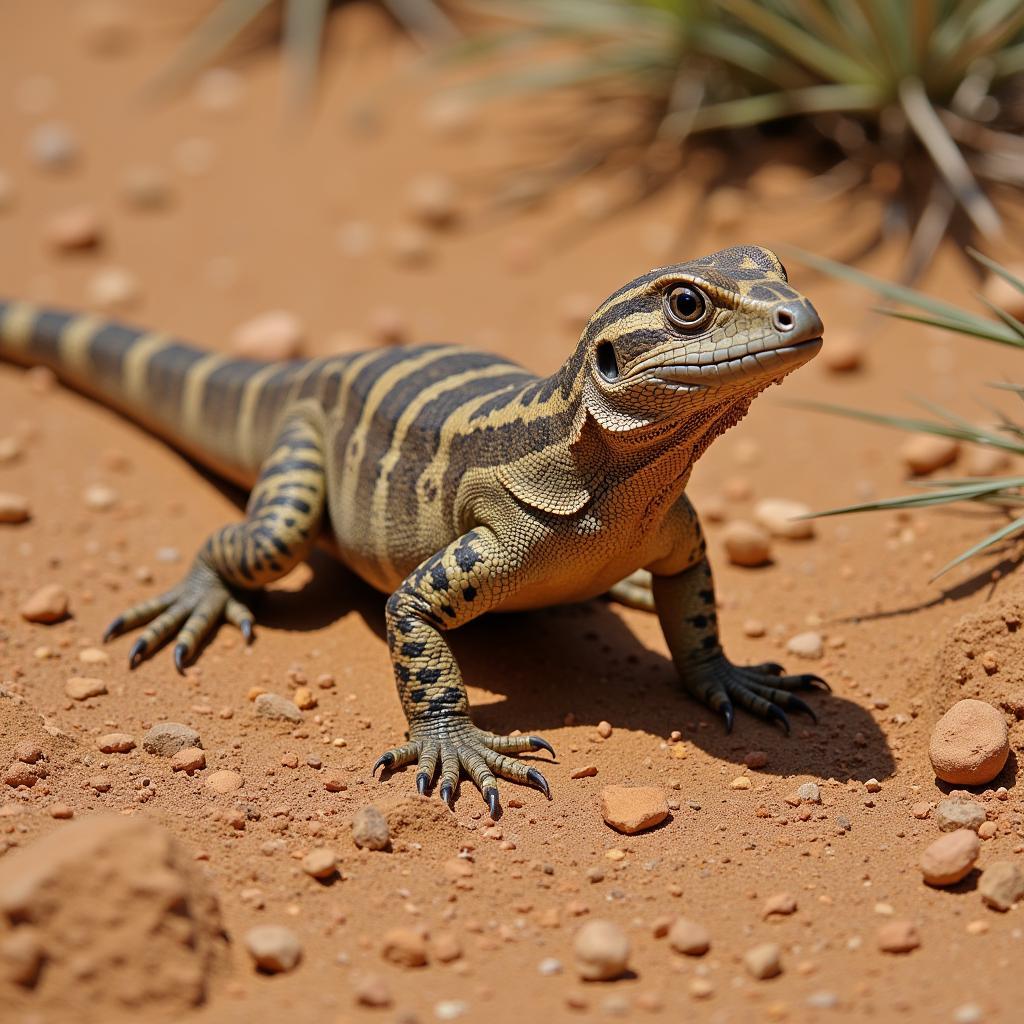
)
(993, 538)
(996, 268)
(753, 110)
(923, 499)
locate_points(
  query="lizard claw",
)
(538, 744)
(493, 801)
(447, 793)
(539, 781)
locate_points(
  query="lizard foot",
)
(763, 690)
(456, 746)
(191, 609)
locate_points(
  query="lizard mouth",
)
(769, 362)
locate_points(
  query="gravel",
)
(898, 936)
(116, 743)
(809, 792)
(271, 705)
(370, 829)
(953, 814)
(84, 688)
(320, 862)
(602, 951)
(689, 937)
(763, 961)
(273, 947)
(167, 738)
(47, 605)
(1001, 885)
(950, 858)
(782, 904)
(806, 645)
(224, 781)
(406, 947)
(188, 759)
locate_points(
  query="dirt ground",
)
(312, 221)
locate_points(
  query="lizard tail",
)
(216, 409)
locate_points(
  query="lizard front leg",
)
(467, 578)
(684, 598)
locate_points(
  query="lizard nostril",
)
(783, 319)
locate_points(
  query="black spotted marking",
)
(428, 676)
(413, 648)
(439, 578)
(466, 556)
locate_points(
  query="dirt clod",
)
(689, 937)
(273, 947)
(763, 961)
(370, 829)
(1001, 884)
(406, 947)
(602, 951)
(746, 544)
(898, 936)
(167, 738)
(953, 814)
(272, 705)
(632, 809)
(47, 605)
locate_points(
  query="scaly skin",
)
(458, 483)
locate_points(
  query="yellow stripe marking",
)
(73, 344)
(381, 493)
(18, 322)
(248, 455)
(133, 374)
(190, 414)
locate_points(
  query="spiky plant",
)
(932, 88)
(1005, 493)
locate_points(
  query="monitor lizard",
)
(459, 483)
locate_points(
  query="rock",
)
(146, 187)
(806, 645)
(433, 200)
(62, 812)
(632, 809)
(446, 947)
(756, 759)
(898, 936)
(604, 730)
(953, 814)
(950, 858)
(117, 913)
(167, 738)
(48, 604)
(14, 508)
(74, 228)
(602, 951)
(53, 146)
(320, 862)
(782, 904)
(763, 961)
(223, 781)
(781, 518)
(809, 792)
(986, 461)
(84, 688)
(273, 947)
(969, 744)
(371, 990)
(1001, 884)
(116, 743)
(406, 947)
(746, 544)
(93, 656)
(21, 774)
(271, 337)
(925, 453)
(843, 353)
(370, 829)
(28, 752)
(689, 937)
(271, 705)
(100, 498)
(188, 759)
(304, 699)
(587, 771)
(113, 288)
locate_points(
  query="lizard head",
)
(701, 335)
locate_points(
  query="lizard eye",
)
(686, 306)
(607, 364)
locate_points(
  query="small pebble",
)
(950, 857)
(781, 518)
(925, 453)
(13, 508)
(272, 337)
(304, 698)
(843, 353)
(632, 809)
(146, 187)
(100, 783)
(746, 544)
(1001, 884)
(321, 862)
(433, 200)
(62, 812)
(224, 781)
(28, 752)
(372, 990)
(271, 705)
(763, 961)
(987, 830)
(809, 792)
(953, 814)
(756, 759)
(100, 498)
(116, 743)
(898, 936)
(370, 829)
(113, 288)
(588, 771)
(689, 937)
(47, 605)
(53, 146)
(84, 688)
(782, 904)
(602, 951)
(21, 774)
(74, 229)
(273, 947)
(740, 782)
(167, 738)
(406, 947)
(969, 744)
(754, 628)
(446, 947)
(188, 759)
(806, 645)
(93, 656)
(604, 730)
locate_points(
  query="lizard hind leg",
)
(282, 519)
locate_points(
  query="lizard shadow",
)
(584, 660)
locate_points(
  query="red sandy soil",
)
(257, 230)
